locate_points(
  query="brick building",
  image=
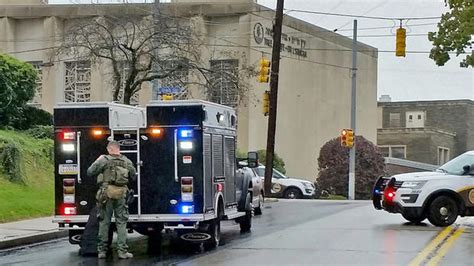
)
(430, 132)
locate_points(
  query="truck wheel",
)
(414, 218)
(214, 231)
(443, 211)
(75, 236)
(154, 243)
(259, 208)
(293, 193)
(246, 221)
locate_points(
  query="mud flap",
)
(89, 238)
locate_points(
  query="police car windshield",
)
(455, 166)
(276, 174)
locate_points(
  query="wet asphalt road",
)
(289, 232)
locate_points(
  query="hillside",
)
(30, 193)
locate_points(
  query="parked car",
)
(287, 187)
(257, 187)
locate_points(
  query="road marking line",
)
(431, 246)
(445, 247)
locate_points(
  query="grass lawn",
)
(34, 198)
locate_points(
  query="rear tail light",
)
(187, 189)
(186, 180)
(69, 211)
(389, 194)
(69, 190)
(68, 135)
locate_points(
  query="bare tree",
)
(143, 49)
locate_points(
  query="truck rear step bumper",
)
(78, 219)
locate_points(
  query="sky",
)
(415, 77)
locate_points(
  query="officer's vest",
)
(115, 171)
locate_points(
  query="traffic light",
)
(401, 42)
(347, 138)
(167, 97)
(266, 103)
(350, 138)
(264, 73)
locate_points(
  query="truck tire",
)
(292, 193)
(214, 230)
(259, 208)
(443, 211)
(154, 243)
(75, 236)
(246, 221)
(416, 219)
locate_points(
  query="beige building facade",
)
(315, 72)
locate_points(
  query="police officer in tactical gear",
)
(114, 171)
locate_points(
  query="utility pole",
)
(275, 68)
(352, 152)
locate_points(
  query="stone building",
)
(315, 71)
(430, 132)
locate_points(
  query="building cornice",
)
(426, 103)
(180, 10)
(423, 130)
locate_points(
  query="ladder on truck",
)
(124, 131)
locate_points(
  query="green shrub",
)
(41, 132)
(10, 161)
(278, 162)
(30, 117)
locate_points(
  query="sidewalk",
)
(29, 231)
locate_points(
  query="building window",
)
(124, 68)
(394, 119)
(415, 119)
(36, 101)
(176, 82)
(395, 151)
(443, 155)
(77, 82)
(224, 86)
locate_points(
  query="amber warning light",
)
(156, 131)
(97, 132)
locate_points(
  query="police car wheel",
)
(416, 219)
(293, 193)
(443, 211)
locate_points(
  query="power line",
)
(360, 16)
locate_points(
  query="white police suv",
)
(441, 196)
(287, 187)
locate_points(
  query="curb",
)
(31, 239)
(266, 200)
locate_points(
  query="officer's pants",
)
(119, 209)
